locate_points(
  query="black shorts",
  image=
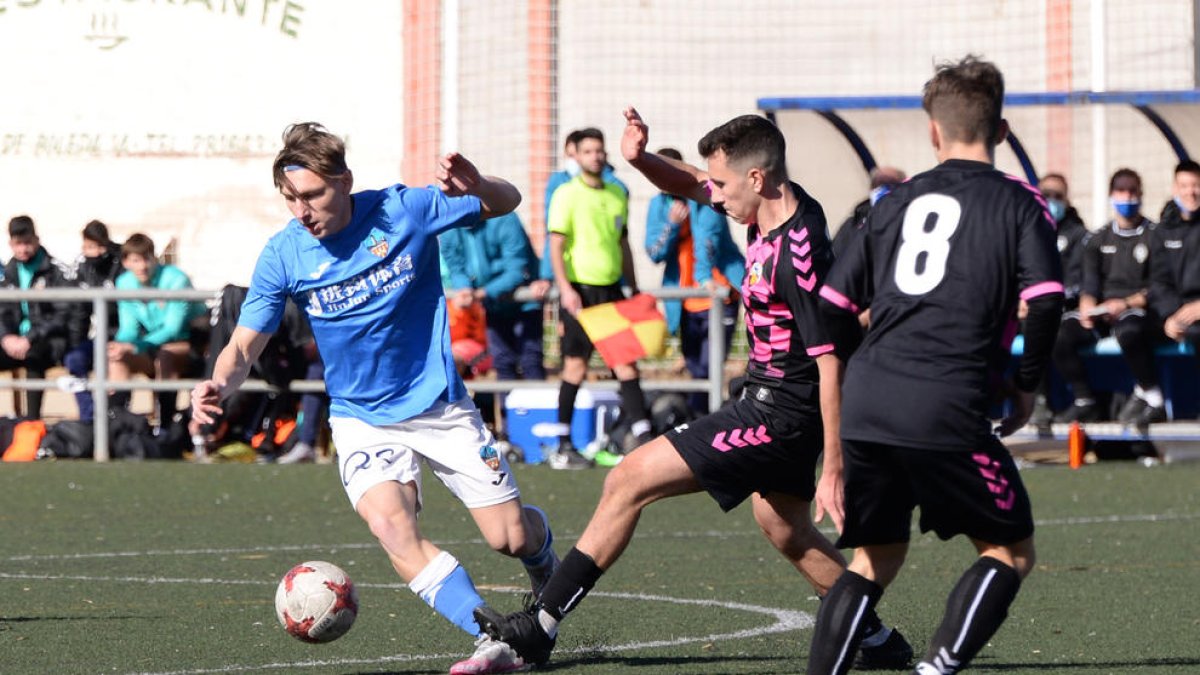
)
(575, 341)
(978, 493)
(747, 447)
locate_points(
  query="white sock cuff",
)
(433, 574)
(640, 427)
(1153, 396)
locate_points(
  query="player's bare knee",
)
(623, 485)
(394, 531)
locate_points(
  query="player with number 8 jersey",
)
(942, 297)
(942, 263)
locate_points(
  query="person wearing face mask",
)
(98, 266)
(557, 179)
(1114, 300)
(1175, 259)
(1072, 234)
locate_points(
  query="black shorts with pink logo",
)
(752, 446)
(977, 492)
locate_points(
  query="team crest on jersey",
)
(1140, 253)
(755, 273)
(1062, 243)
(377, 244)
(490, 457)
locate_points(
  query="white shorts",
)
(450, 437)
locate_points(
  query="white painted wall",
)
(164, 115)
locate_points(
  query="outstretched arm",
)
(670, 176)
(457, 176)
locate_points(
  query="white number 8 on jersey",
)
(921, 261)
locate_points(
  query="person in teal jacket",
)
(486, 263)
(694, 244)
(152, 336)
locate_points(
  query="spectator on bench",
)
(1114, 300)
(1072, 236)
(1175, 259)
(33, 335)
(152, 336)
(97, 267)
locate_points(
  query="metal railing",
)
(100, 385)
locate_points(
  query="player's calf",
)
(977, 607)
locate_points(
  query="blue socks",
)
(446, 587)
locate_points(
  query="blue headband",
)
(292, 167)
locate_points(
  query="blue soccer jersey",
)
(373, 294)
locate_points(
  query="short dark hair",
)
(1188, 166)
(589, 132)
(1124, 173)
(98, 232)
(138, 244)
(670, 152)
(965, 98)
(572, 138)
(21, 227)
(309, 145)
(749, 138)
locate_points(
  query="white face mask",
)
(572, 167)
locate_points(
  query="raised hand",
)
(635, 137)
(456, 175)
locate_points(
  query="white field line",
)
(717, 534)
(785, 620)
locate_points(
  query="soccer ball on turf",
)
(316, 602)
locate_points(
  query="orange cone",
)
(1076, 441)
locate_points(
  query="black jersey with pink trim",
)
(784, 271)
(944, 260)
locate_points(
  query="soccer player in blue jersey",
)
(942, 262)
(364, 266)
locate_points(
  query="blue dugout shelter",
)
(1150, 131)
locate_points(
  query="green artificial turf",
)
(171, 568)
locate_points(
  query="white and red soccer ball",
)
(316, 602)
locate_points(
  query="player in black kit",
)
(944, 260)
(764, 446)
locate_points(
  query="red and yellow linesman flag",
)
(626, 330)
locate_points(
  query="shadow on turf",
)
(706, 664)
(26, 619)
(1118, 666)
(713, 662)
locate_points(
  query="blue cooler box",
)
(530, 416)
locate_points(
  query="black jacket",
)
(98, 272)
(47, 319)
(1072, 236)
(1174, 262)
